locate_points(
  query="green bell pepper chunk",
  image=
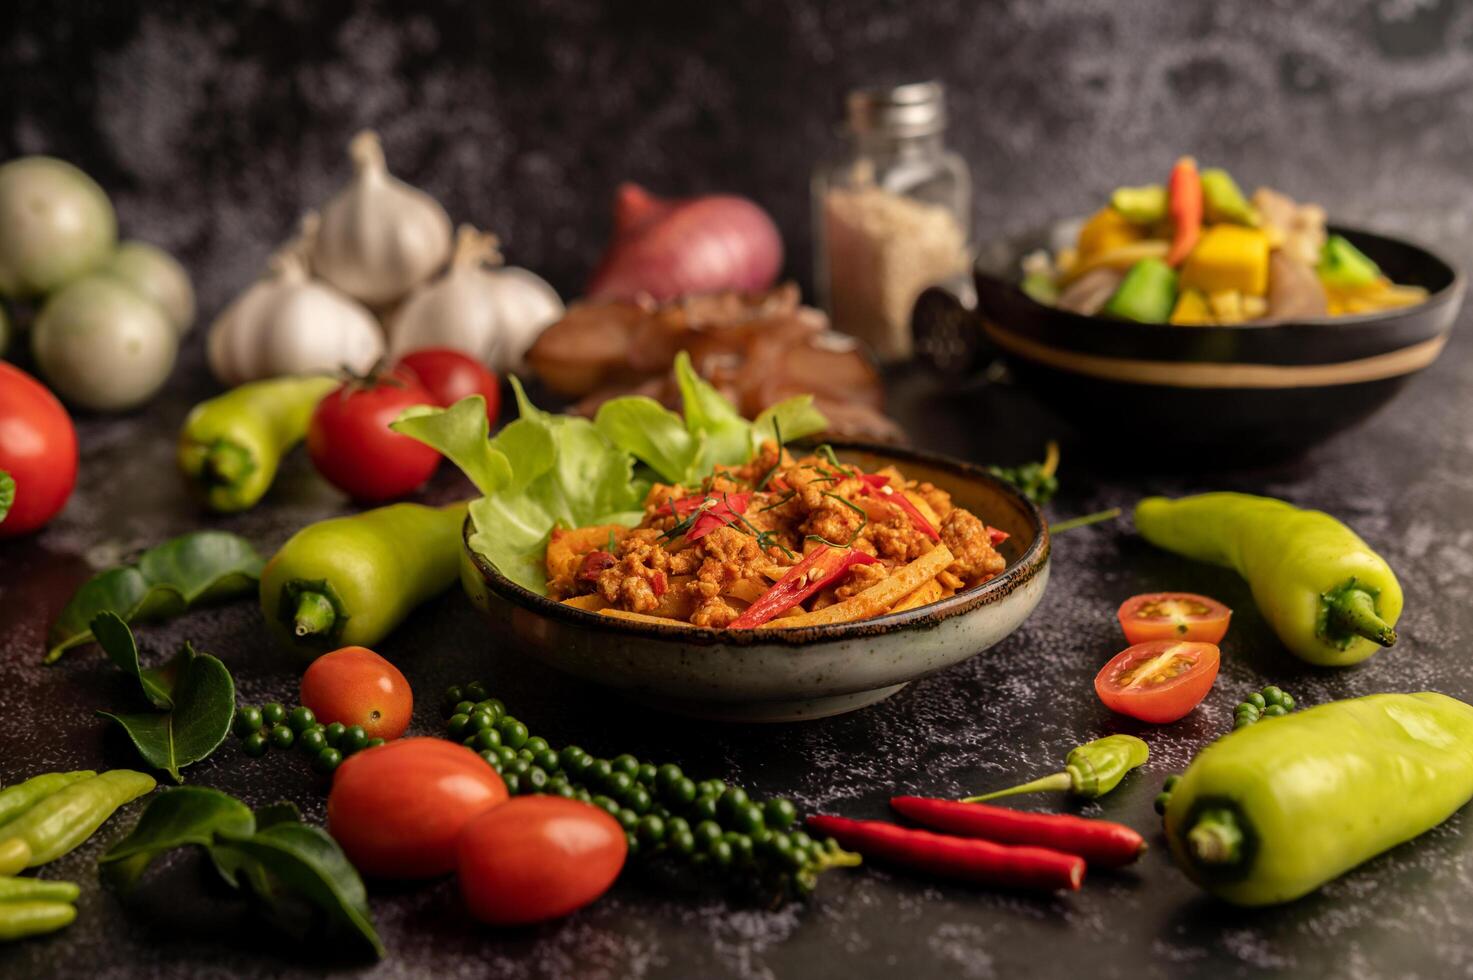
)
(1275, 810)
(349, 581)
(1042, 287)
(1330, 598)
(1140, 205)
(1223, 200)
(1344, 265)
(1147, 294)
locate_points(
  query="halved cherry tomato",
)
(1173, 616)
(537, 858)
(355, 686)
(1159, 681)
(399, 809)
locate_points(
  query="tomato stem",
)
(314, 615)
(1216, 839)
(1058, 781)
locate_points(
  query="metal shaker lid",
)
(915, 109)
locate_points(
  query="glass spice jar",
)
(892, 215)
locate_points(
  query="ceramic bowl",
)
(1242, 393)
(794, 674)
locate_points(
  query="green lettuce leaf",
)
(543, 471)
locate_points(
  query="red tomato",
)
(448, 375)
(537, 858)
(352, 445)
(399, 809)
(1158, 681)
(356, 686)
(38, 448)
(1173, 616)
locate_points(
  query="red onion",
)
(668, 248)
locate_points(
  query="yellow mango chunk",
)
(1229, 257)
(1105, 231)
(1191, 309)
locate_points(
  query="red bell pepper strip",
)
(818, 568)
(1184, 206)
(877, 485)
(982, 861)
(1100, 842)
(714, 511)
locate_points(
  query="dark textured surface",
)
(213, 134)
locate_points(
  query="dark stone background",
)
(215, 125)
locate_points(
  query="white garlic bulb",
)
(379, 237)
(489, 311)
(287, 323)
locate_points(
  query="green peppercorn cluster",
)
(273, 726)
(664, 813)
(1268, 703)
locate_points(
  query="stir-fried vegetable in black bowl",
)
(1236, 389)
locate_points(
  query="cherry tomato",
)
(38, 449)
(1158, 681)
(1173, 616)
(399, 809)
(352, 445)
(449, 375)
(356, 686)
(538, 858)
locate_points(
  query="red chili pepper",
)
(996, 535)
(594, 564)
(714, 511)
(659, 585)
(876, 485)
(955, 857)
(1184, 205)
(1100, 842)
(818, 568)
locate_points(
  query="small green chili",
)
(1090, 771)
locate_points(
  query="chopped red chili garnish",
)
(819, 568)
(996, 535)
(709, 512)
(878, 485)
(659, 585)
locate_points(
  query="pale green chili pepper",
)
(21, 919)
(1090, 771)
(68, 817)
(36, 890)
(17, 799)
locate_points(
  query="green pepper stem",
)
(226, 464)
(1216, 839)
(1085, 521)
(1058, 781)
(315, 614)
(1354, 610)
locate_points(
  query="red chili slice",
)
(714, 511)
(877, 485)
(819, 568)
(594, 564)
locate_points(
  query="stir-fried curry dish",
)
(780, 541)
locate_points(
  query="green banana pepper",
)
(1276, 809)
(1330, 598)
(231, 446)
(1090, 770)
(69, 816)
(349, 581)
(21, 919)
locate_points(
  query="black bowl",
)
(1244, 393)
